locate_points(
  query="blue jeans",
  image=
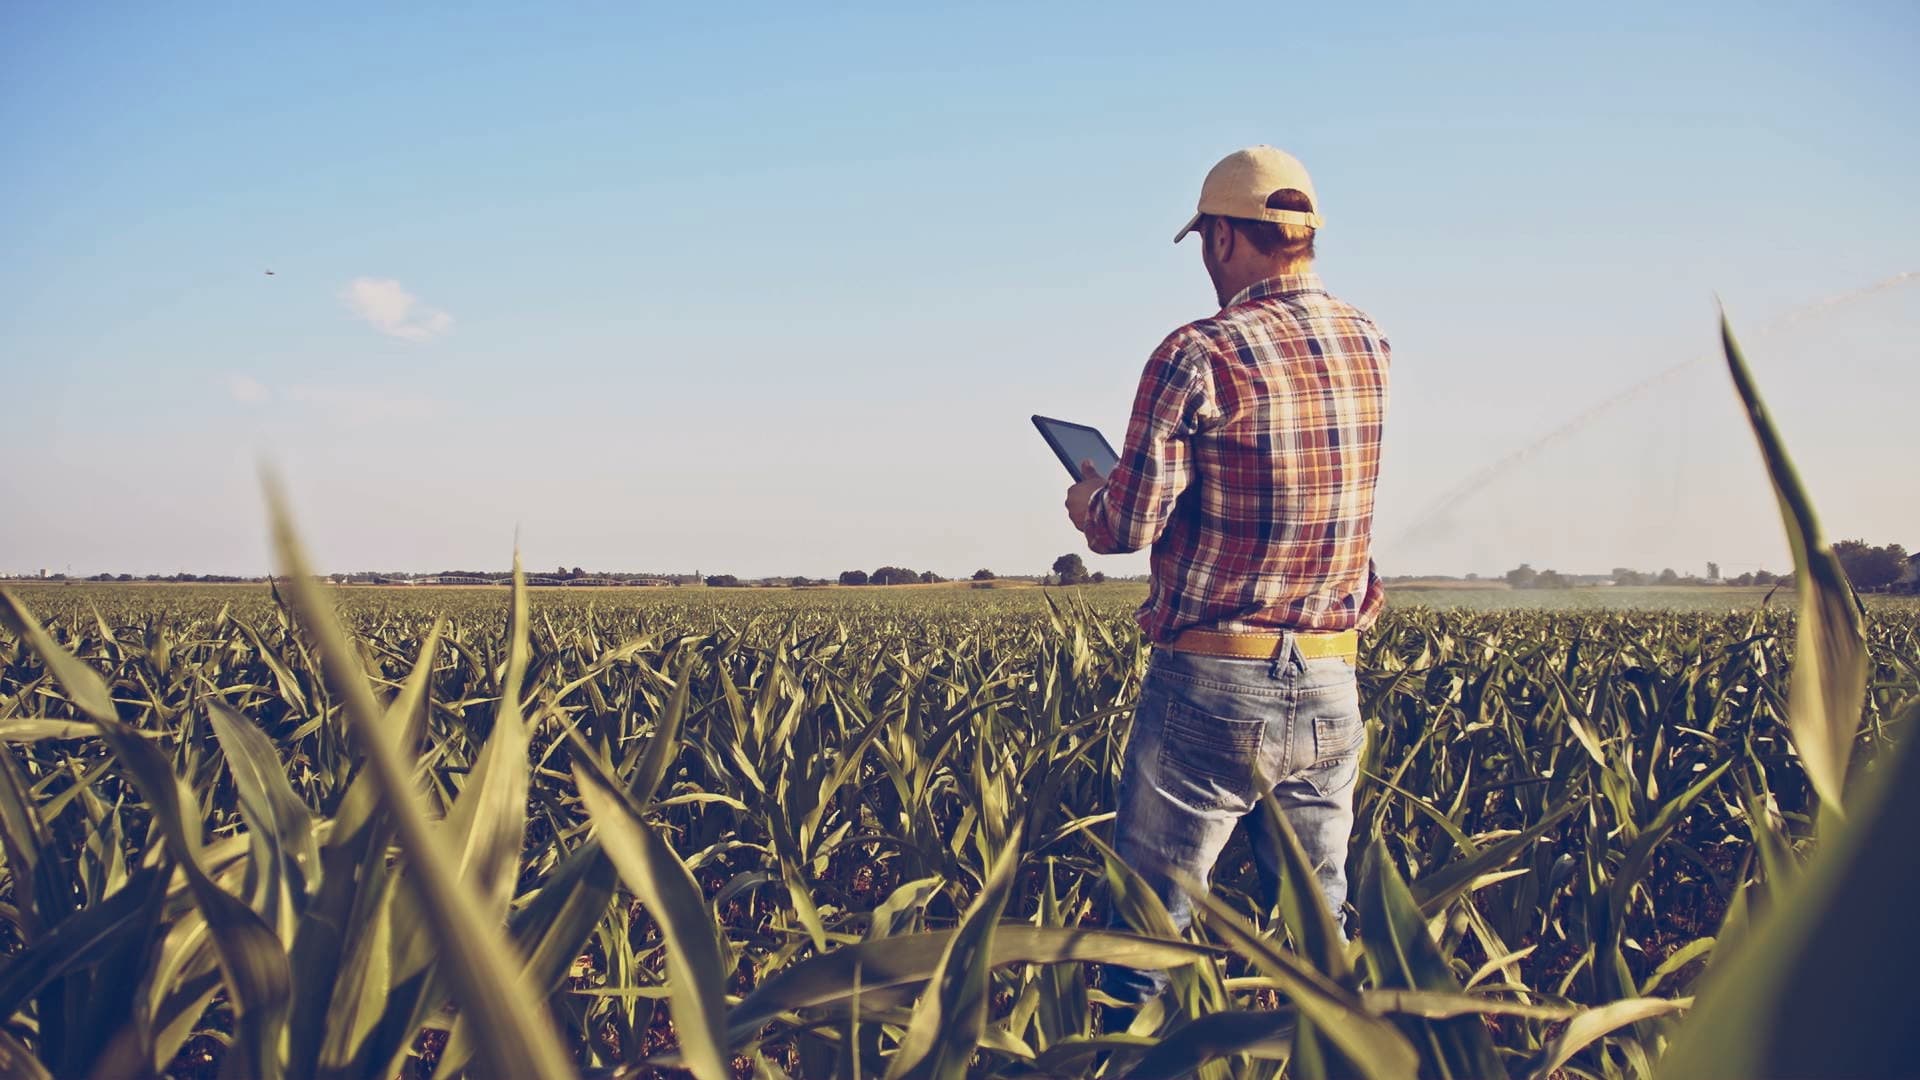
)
(1210, 737)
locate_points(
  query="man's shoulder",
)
(1226, 333)
(1197, 350)
(1350, 313)
(1225, 324)
(1188, 347)
(1219, 334)
(1259, 325)
(1296, 316)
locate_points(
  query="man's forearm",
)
(1103, 538)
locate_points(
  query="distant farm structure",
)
(532, 579)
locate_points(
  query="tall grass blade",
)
(1268, 1035)
(951, 1018)
(1593, 1024)
(342, 948)
(550, 930)
(909, 960)
(515, 1033)
(1371, 1045)
(1402, 955)
(252, 960)
(1829, 681)
(1811, 989)
(656, 875)
(1783, 997)
(488, 822)
(1302, 907)
(279, 825)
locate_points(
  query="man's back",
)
(1250, 465)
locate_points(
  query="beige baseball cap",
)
(1240, 185)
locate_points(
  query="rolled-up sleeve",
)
(1156, 463)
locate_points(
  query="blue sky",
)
(772, 290)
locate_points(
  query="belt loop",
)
(1285, 656)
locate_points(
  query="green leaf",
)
(1403, 956)
(1371, 1045)
(550, 930)
(83, 685)
(35, 730)
(41, 889)
(81, 940)
(697, 974)
(1810, 988)
(1447, 1004)
(1593, 1024)
(952, 1015)
(275, 816)
(488, 822)
(252, 961)
(909, 960)
(1829, 680)
(909, 896)
(1267, 1035)
(515, 1032)
(343, 936)
(1302, 906)
(664, 744)
(1435, 890)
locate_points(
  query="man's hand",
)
(1082, 493)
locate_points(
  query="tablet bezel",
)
(1073, 467)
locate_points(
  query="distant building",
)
(1909, 579)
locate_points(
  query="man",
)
(1249, 466)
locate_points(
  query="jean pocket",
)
(1335, 738)
(1214, 757)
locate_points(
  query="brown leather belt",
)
(1265, 646)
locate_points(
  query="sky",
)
(770, 290)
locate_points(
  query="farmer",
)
(1249, 467)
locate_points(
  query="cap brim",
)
(1193, 223)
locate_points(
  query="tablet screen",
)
(1074, 443)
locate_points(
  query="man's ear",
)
(1220, 236)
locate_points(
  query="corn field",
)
(299, 834)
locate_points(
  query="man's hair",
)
(1291, 242)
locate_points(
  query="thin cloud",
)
(247, 389)
(394, 311)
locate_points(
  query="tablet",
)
(1075, 443)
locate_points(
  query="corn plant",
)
(295, 832)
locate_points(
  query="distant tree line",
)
(1626, 575)
(890, 575)
(1071, 569)
(1875, 567)
(1871, 569)
(1068, 569)
(1525, 576)
(208, 579)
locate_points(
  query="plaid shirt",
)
(1249, 465)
